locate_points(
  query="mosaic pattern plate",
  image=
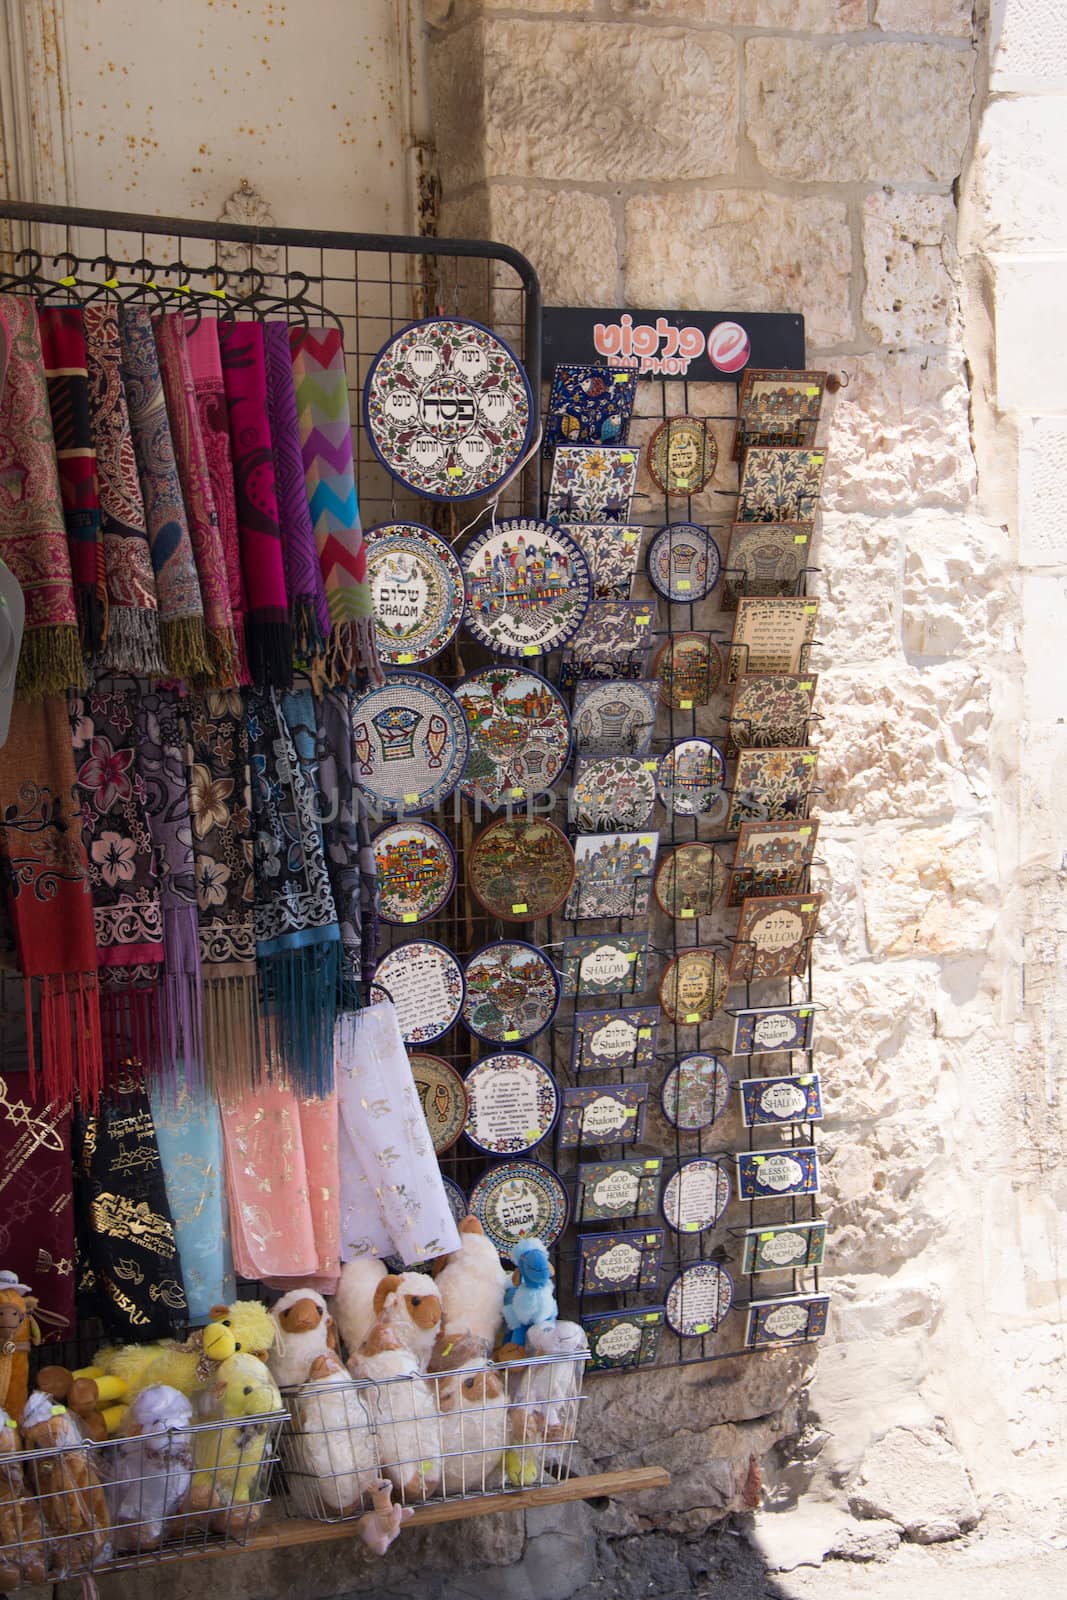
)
(696, 1196)
(777, 408)
(527, 587)
(592, 483)
(779, 485)
(512, 992)
(682, 455)
(792, 1321)
(611, 552)
(448, 409)
(443, 1097)
(416, 871)
(693, 986)
(689, 668)
(698, 1299)
(588, 405)
(457, 1200)
(521, 868)
(425, 983)
(410, 742)
(611, 792)
(787, 1246)
(617, 1263)
(620, 1339)
(689, 880)
(613, 874)
(772, 708)
(513, 1104)
(597, 964)
(613, 642)
(691, 777)
(519, 734)
(612, 1113)
(683, 562)
(764, 558)
(417, 587)
(520, 1200)
(616, 1040)
(696, 1091)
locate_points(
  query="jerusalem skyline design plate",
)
(448, 409)
(520, 1200)
(612, 1113)
(682, 455)
(443, 1096)
(689, 880)
(513, 1103)
(771, 858)
(521, 868)
(416, 871)
(612, 874)
(512, 992)
(410, 741)
(611, 792)
(693, 986)
(519, 734)
(592, 483)
(699, 1299)
(696, 1196)
(527, 587)
(691, 777)
(425, 983)
(588, 405)
(417, 588)
(695, 1093)
(683, 562)
(614, 718)
(689, 668)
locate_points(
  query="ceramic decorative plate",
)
(416, 871)
(448, 409)
(689, 880)
(790, 1321)
(444, 1099)
(512, 992)
(691, 778)
(772, 708)
(605, 964)
(619, 1339)
(613, 874)
(614, 718)
(698, 1299)
(615, 1041)
(695, 1197)
(425, 983)
(771, 785)
(457, 1200)
(779, 485)
(592, 483)
(612, 554)
(682, 454)
(589, 405)
(777, 408)
(693, 986)
(527, 587)
(417, 587)
(764, 558)
(410, 741)
(519, 734)
(613, 1263)
(520, 1200)
(683, 562)
(612, 792)
(612, 642)
(695, 1092)
(612, 1113)
(513, 1104)
(689, 669)
(521, 868)
(778, 1102)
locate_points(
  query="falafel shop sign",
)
(703, 346)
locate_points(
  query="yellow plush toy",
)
(245, 1328)
(228, 1459)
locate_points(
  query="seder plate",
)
(417, 588)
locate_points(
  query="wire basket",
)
(450, 1435)
(75, 1509)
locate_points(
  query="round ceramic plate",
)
(693, 986)
(527, 587)
(691, 777)
(699, 1298)
(695, 1092)
(521, 868)
(520, 1200)
(416, 871)
(689, 669)
(520, 734)
(417, 587)
(689, 880)
(512, 992)
(457, 1200)
(448, 409)
(425, 983)
(612, 793)
(695, 1197)
(443, 1096)
(410, 741)
(513, 1103)
(614, 717)
(682, 454)
(683, 562)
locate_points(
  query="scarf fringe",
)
(185, 648)
(308, 642)
(299, 990)
(130, 1026)
(181, 1022)
(69, 1056)
(50, 662)
(225, 657)
(269, 642)
(133, 642)
(232, 1043)
(91, 621)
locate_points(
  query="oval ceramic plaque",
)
(527, 587)
(682, 454)
(695, 1092)
(448, 409)
(614, 718)
(425, 983)
(513, 1104)
(689, 880)
(416, 871)
(693, 986)
(695, 1197)
(443, 1096)
(417, 588)
(612, 793)
(689, 669)
(698, 1299)
(520, 1200)
(683, 562)
(410, 742)
(512, 992)
(520, 734)
(691, 778)
(521, 868)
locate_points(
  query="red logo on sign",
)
(728, 346)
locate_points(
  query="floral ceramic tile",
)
(770, 785)
(611, 553)
(592, 483)
(779, 485)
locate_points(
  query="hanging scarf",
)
(33, 536)
(65, 364)
(309, 615)
(123, 875)
(36, 1211)
(318, 1135)
(219, 805)
(131, 1275)
(267, 633)
(187, 435)
(133, 607)
(162, 747)
(181, 610)
(326, 442)
(267, 1184)
(350, 858)
(189, 1135)
(47, 883)
(297, 937)
(393, 1201)
(205, 361)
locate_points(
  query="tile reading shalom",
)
(612, 1113)
(615, 1040)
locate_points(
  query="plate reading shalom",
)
(520, 868)
(513, 1102)
(425, 983)
(780, 1101)
(520, 1200)
(765, 1029)
(605, 964)
(410, 741)
(512, 992)
(416, 871)
(614, 1041)
(448, 409)
(519, 734)
(417, 587)
(612, 1113)
(527, 586)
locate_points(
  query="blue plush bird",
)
(529, 1297)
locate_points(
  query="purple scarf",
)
(308, 612)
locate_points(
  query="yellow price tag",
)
(809, 611)
(806, 1012)
(765, 1236)
(516, 794)
(410, 916)
(220, 294)
(692, 1016)
(113, 283)
(702, 1327)
(519, 907)
(813, 389)
(646, 841)
(651, 1166)
(531, 649)
(685, 705)
(808, 761)
(627, 458)
(624, 377)
(683, 483)
(650, 766)
(405, 660)
(631, 1111)
(644, 1033)
(650, 1238)
(411, 799)
(690, 1227)
(803, 832)
(652, 1317)
(800, 538)
(687, 913)
(68, 283)
(805, 686)
(644, 618)
(454, 472)
(510, 1034)
(533, 1134)
(631, 955)
(806, 1079)
(818, 460)
(629, 537)
(808, 908)
(684, 583)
